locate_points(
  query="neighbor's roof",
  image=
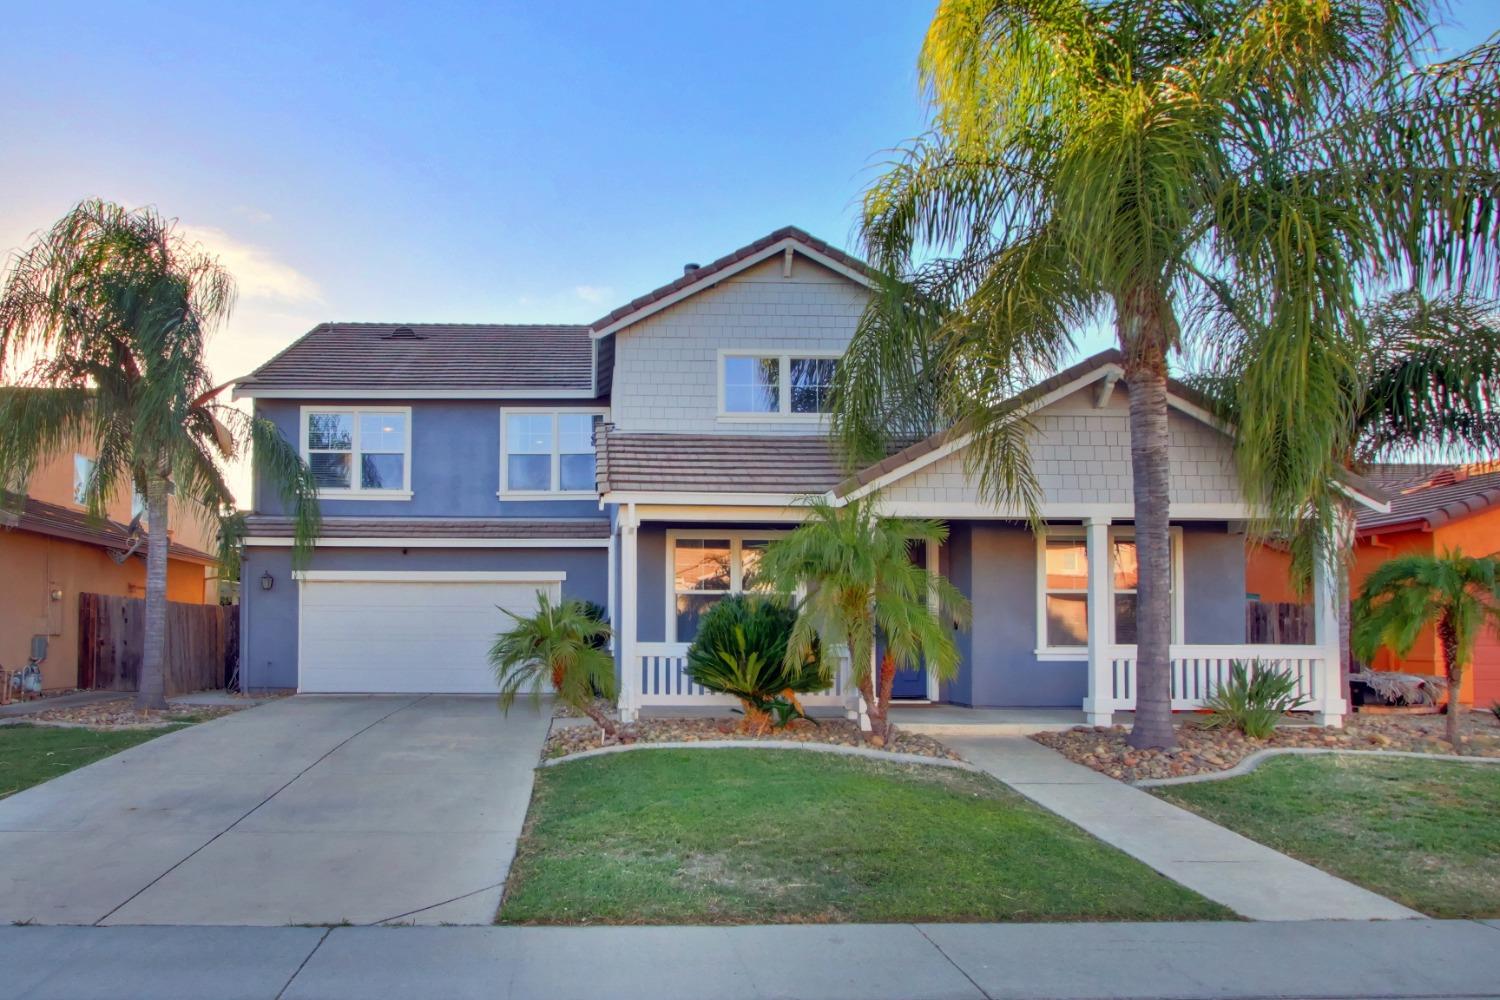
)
(76, 526)
(1426, 496)
(472, 357)
(714, 463)
(266, 526)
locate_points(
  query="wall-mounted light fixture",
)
(267, 581)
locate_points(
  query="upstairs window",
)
(548, 452)
(775, 385)
(359, 453)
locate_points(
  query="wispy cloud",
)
(593, 293)
(259, 216)
(257, 272)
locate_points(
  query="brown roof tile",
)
(75, 525)
(435, 527)
(1427, 496)
(714, 463)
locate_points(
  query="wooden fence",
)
(1278, 623)
(202, 643)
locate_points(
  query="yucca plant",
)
(741, 650)
(1253, 700)
(561, 647)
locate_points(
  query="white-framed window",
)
(83, 471)
(705, 566)
(359, 453)
(792, 385)
(1063, 591)
(548, 453)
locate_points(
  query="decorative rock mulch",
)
(839, 732)
(122, 714)
(1204, 751)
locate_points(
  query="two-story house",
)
(644, 460)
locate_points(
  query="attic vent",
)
(689, 268)
(403, 333)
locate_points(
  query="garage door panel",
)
(407, 635)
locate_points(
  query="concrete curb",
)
(1259, 757)
(833, 748)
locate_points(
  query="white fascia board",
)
(707, 499)
(428, 542)
(1378, 506)
(428, 576)
(651, 308)
(313, 392)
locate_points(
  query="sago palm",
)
(1191, 172)
(1458, 594)
(103, 321)
(863, 587)
(559, 648)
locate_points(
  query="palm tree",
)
(561, 647)
(862, 586)
(1460, 593)
(1192, 172)
(103, 321)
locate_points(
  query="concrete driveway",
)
(308, 810)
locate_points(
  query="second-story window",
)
(548, 452)
(775, 385)
(361, 452)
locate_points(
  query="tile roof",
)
(75, 525)
(435, 527)
(1426, 496)
(714, 463)
(707, 271)
(469, 356)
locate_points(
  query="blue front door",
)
(908, 683)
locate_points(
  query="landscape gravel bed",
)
(1204, 751)
(121, 713)
(839, 732)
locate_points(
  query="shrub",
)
(1253, 700)
(561, 646)
(741, 651)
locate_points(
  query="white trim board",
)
(429, 542)
(430, 576)
(316, 393)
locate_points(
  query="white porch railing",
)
(1198, 671)
(659, 676)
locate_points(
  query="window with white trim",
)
(775, 385)
(1062, 585)
(363, 451)
(548, 452)
(705, 569)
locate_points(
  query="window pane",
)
(1125, 605)
(701, 564)
(577, 472)
(528, 472)
(1067, 620)
(812, 380)
(750, 553)
(382, 432)
(575, 432)
(528, 434)
(690, 608)
(333, 431)
(382, 472)
(1067, 564)
(752, 385)
(1127, 570)
(330, 469)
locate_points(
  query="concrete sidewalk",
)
(859, 962)
(1249, 878)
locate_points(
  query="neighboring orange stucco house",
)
(51, 551)
(1434, 508)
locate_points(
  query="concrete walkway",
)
(858, 962)
(313, 809)
(1249, 878)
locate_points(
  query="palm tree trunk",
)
(152, 690)
(880, 723)
(1448, 638)
(1144, 339)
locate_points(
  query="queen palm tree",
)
(1190, 172)
(862, 586)
(103, 321)
(562, 648)
(1459, 594)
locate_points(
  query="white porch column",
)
(1098, 706)
(934, 605)
(1326, 631)
(630, 667)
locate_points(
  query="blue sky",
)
(461, 161)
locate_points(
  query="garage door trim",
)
(432, 576)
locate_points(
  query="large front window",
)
(548, 452)
(706, 568)
(775, 385)
(1063, 585)
(358, 452)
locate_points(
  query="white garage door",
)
(408, 632)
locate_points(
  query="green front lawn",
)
(761, 836)
(1423, 833)
(30, 755)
